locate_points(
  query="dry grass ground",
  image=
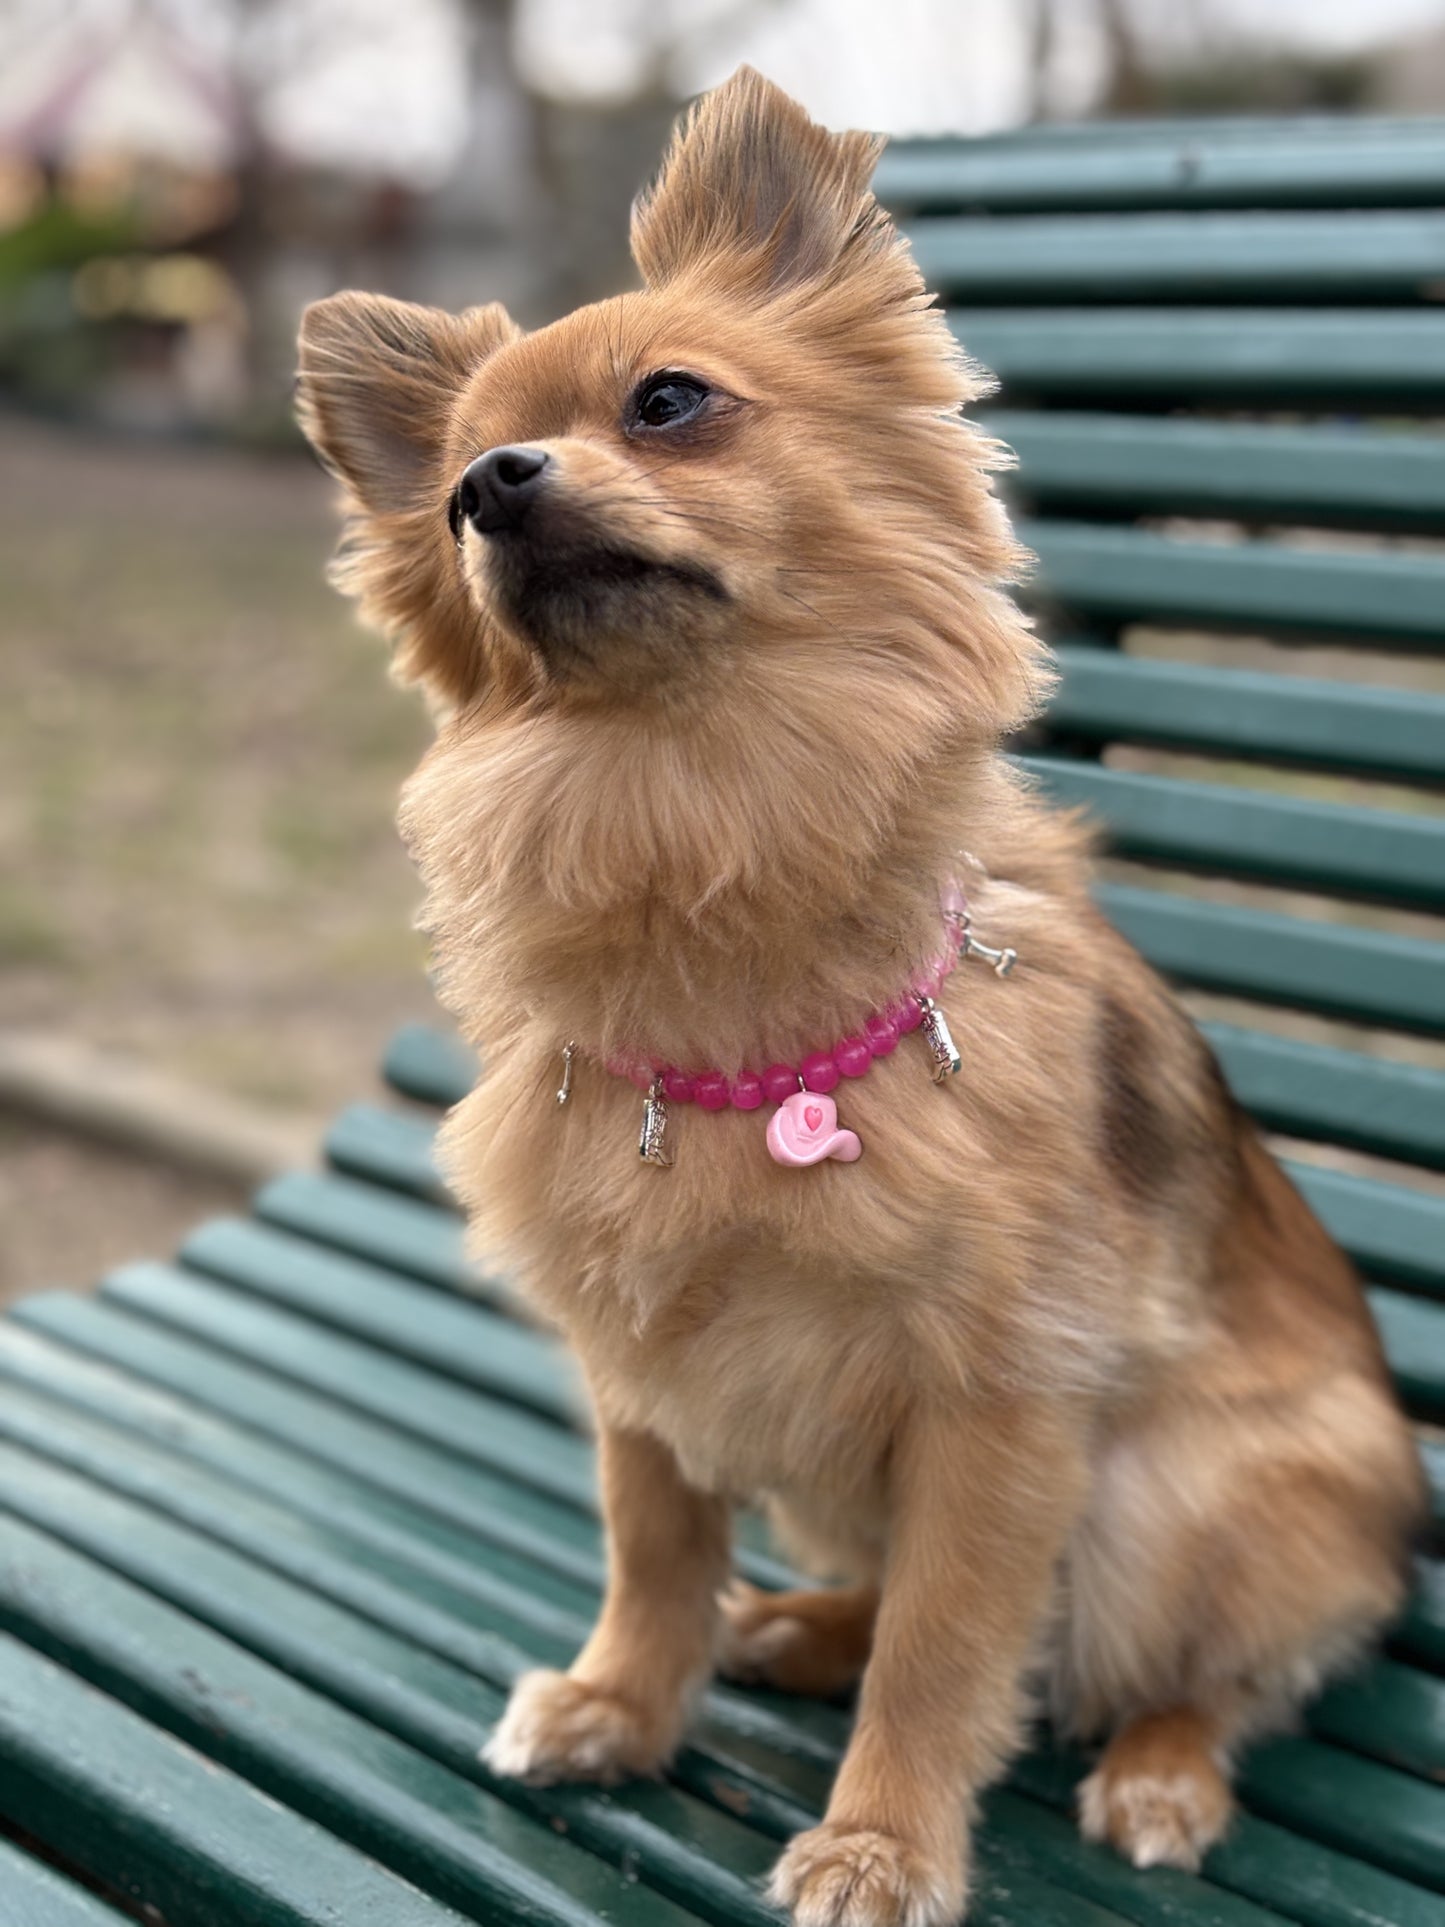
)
(199, 755)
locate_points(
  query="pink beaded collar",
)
(804, 1129)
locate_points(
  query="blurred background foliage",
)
(199, 752)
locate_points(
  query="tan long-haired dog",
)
(1059, 1378)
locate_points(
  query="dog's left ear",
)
(754, 194)
(376, 385)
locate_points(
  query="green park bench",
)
(281, 1518)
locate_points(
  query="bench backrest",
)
(1241, 324)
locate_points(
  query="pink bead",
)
(747, 1091)
(641, 1075)
(779, 1081)
(910, 1015)
(710, 1089)
(951, 901)
(677, 1087)
(881, 1031)
(927, 984)
(820, 1073)
(852, 1056)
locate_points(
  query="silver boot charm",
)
(652, 1144)
(939, 1039)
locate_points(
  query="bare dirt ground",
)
(199, 758)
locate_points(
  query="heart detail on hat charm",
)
(804, 1130)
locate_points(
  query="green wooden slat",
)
(353, 1476)
(458, 1338)
(37, 1896)
(1271, 357)
(1307, 1881)
(1392, 599)
(1336, 256)
(1369, 976)
(1356, 1805)
(1412, 1331)
(1361, 166)
(1109, 697)
(150, 1816)
(434, 1824)
(1382, 855)
(1421, 1631)
(495, 1434)
(415, 1473)
(414, 1236)
(1135, 131)
(1315, 1091)
(1390, 1230)
(1401, 1711)
(1244, 470)
(349, 1148)
(429, 1064)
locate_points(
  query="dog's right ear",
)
(376, 385)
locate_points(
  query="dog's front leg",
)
(979, 1506)
(620, 1708)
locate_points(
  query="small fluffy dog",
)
(1046, 1364)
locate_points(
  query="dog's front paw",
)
(853, 1877)
(559, 1728)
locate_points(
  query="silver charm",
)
(652, 1144)
(939, 1038)
(564, 1089)
(1003, 961)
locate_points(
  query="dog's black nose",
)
(500, 487)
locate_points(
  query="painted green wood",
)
(37, 1896)
(398, 1505)
(1369, 976)
(497, 1435)
(420, 1238)
(1382, 855)
(457, 1337)
(1390, 1230)
(415, 1474)
(1191, 167)
(1133, 574)
(698, 1852)
(434, 1066)
(1251, 471)
(1138, 131)
(1105, 696)
(1315, 1091)
(440, 1825)
(349, 1148)
(135, 1807)
(1304, 1879)
(1271, 357)
(1360, 1807)
(1421, 1632)
(1336, 256)
(1412, 1331)
(329, 1650)
(1402, 1710)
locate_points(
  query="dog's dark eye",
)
(454, 514)
(666, 400)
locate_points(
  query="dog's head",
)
(761, 447)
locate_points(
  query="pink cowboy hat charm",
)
(804, 1130)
